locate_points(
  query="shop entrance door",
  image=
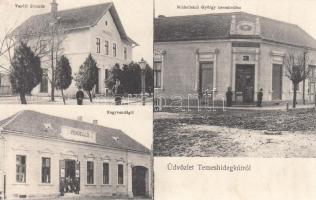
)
(206, 77)
(245, 80)
(276, 82)
(140, 181)
(69, 176)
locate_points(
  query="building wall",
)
(110, 33)
(78, 44)
(35, 148)
(179, 67)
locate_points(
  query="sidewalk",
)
(71, 101)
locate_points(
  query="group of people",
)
(117, 90)
(229, 97)
(70, 185)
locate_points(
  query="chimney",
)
(257, 27)
(79, 118)
(161, 16)
(233, 25)
(95, 122)
(54, 9)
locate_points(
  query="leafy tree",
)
(26, 71)
(296, 71)
(63, 75)
(115, 73)
(149, 80)
(87, 76)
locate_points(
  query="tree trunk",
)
(90, 96)
(294, 96)
(62, 94)
(22, 98)
(52, 92)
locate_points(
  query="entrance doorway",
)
(206, 77)
(140, 181)
(276, 82)
(244, 83)
(69, 176)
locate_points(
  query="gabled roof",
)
(33, 124)
(72, 19)
(217, 26)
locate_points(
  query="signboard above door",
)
(76, 134)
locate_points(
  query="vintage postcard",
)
(234, 99)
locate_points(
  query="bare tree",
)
(296, 70)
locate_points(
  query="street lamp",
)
(142, 64)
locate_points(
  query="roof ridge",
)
(225, 13)
(75, 8)
(11, 118)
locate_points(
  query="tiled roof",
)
(71, 19)
(35, 124)
(217, 26)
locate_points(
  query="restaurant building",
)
(196, 54)
(44, 156)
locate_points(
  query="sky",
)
(138, 125)
(136, 17)
(301, 13)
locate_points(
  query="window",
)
(44, 82)
(106, 47)
(106, 173)
(312, 71)
(90, 172)
(245, 58)
(114, 50)
(125, 53)
(20, 169)
(157, 74)
(98, 45)
(45, 170)
(120, 174)
(43, 46)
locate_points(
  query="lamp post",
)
(142, 64)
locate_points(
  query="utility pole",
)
(304, 71)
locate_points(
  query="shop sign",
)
(76, 134)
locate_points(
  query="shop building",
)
(44, 156)
(75, 33)
(211, 52)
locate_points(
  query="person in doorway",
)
(229, 97)
(79, 96)
(118, 92)
(259, 97)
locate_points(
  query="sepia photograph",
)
(76, 52)
(234, 79)
(58, 152)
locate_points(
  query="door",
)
(276, 82)
(244, 83)
(140, 181)
(206, 77)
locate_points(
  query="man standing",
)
(229, 97)
(79, 96)
(118, 92)
(259, 97)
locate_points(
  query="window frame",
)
(106, 45)
(93, 171)
(125, 53)
(98, 43)
(155, 74)
(108, 173)
(20, 165)
(114, 49)
(118, 174)
(49, 170)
